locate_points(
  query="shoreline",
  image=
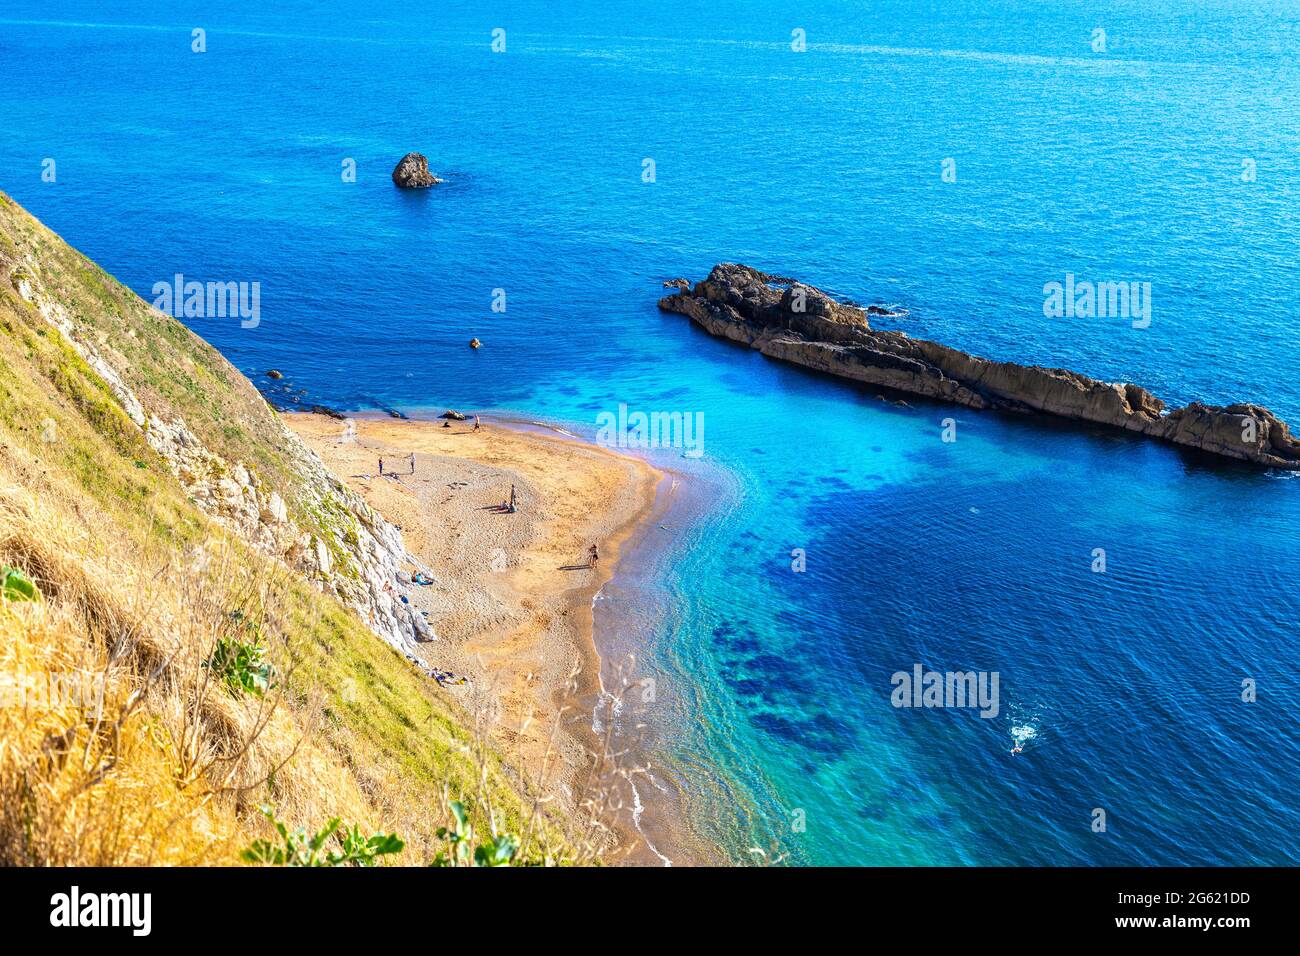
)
(658, 799)
(521, 627)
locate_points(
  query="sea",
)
(1136, 602)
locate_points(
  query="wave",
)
(637, 809)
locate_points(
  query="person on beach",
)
(476, 423)
(381, 464)
(593, 556)
(513, 499)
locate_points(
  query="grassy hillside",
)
(168, 612)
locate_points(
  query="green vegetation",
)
(464, 850)
(299, 848)
(242, 665)
(16, 586)
(347, 726)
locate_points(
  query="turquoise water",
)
(772, 704)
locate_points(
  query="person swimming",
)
(1017, 748)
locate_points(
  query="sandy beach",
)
(512, 600)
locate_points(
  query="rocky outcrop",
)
(412, 172)
(788, 320)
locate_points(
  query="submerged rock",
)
(325, 410)
(412, 172)
(797, 323)
(887, 312)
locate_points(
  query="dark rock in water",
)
(413, 172)
(386, 409)
(474, 343)
(275, 373)
(454, 415)
(887, 312)
(324, 410)
(676, 284)
(787, 320)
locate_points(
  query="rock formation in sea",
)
(413, 172)
(785, 319)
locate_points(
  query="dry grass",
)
(89, 773)
(167, 766)
(119, 746)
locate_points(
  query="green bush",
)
(461, 851)
(16, 586)
(298, 848)
(242, 665)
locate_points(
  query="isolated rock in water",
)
(474, 343)
(454, 415)
(797, 323)
(676, 284)
(275, 373)
(413, 172)
(887, 312)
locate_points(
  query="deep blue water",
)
(826, 165)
